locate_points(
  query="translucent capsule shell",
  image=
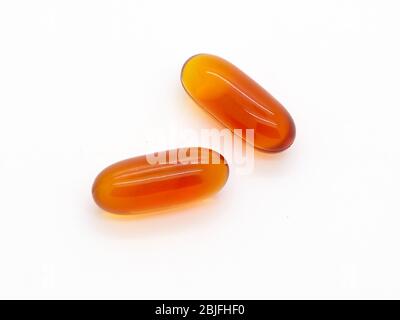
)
(145, 184)
(237, 101)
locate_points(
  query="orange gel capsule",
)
(237, 101)
(160, 181)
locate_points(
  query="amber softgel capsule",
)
(160, 181)
(237, 101)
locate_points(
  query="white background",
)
(84, 84)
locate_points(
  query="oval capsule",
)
(159, 181)
(237, 101)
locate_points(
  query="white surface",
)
(84, 83)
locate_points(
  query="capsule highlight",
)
(160, 181)
(237, 101)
